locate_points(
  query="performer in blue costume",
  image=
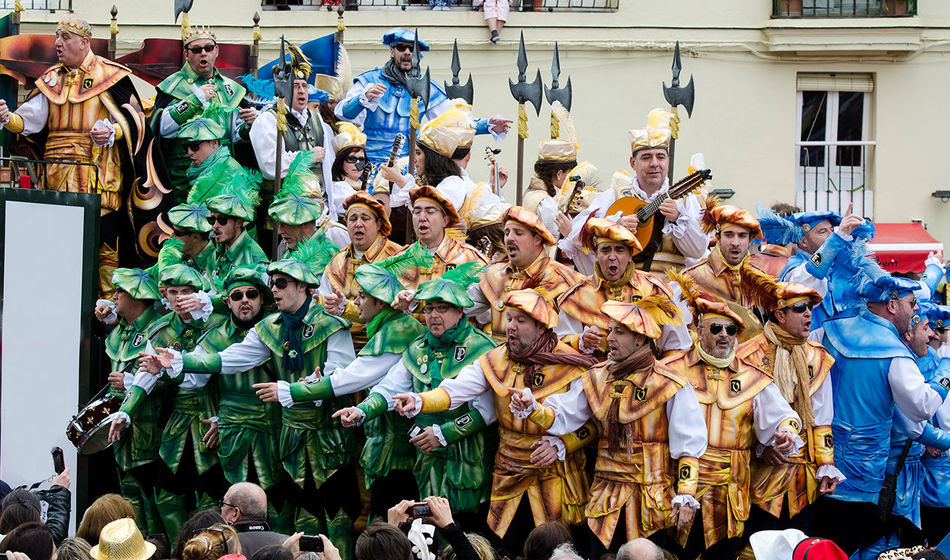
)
(935, 486)
(380, 103)
(874, 372)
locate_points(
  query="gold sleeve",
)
(543, 417)
(435, 400)
(687, 475)
(15, 124)
(824, 445)
(579, 438)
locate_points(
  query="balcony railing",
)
(520, 5)
(834, 175)
(45, 5)
(843, 8)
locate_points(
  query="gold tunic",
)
(449, 254)
(546, 276)
(555, 492)
(641, 478)
(717, 279)
(340, 273)
(725, 396)
(795, 479)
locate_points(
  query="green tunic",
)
(190, 405)
(459, 471)
(247, 428)
(176, 94)
(140, 445)
(244, 252)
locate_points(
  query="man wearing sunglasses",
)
(874, 372)
(186, 93)
(784, 489)
(379, 102)
(211, 164)
(743, 409)
(231, 212)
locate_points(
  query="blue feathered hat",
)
(887, 287)
(317, 95)
(939, 316)
(808, 220)
(776, 229)
(403, 35)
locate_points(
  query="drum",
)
(89, 429)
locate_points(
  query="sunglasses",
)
(180, 232)
(801, 307)
(249, 294)
(354, 159)
(192, 146)
(279, 283)
(403, 47)
(716, 328)
(197, 50)
(438, 308)
(223, 220)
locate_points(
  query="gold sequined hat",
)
(198, 32)
(349, 135)
(122, 540)
(560, 149)
(657, 134)
(76, 26)
(449, 131)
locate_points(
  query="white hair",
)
(565, 551)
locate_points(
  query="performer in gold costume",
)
(88, 109)
(526, 463)
(646, 414)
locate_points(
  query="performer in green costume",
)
(185, 444)
(136, 453)
(211, 165)
(452, 460)
(184, 95)
(387, 457)
(231, 210)
(300, 340)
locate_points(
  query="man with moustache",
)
(650, 428)
(231, 211)
(211, 164)
(529, 486)
(185, 94)
(615, 278)
(452, 458)
(679, 239)
(874, 373)
(528, 266)
(297, 211)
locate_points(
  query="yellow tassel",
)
(675, 123)
(114, 28)
(340, 26)
(18, 6)
(414, 113)
(555, 128)
(185, 25)
(522, 121)
(281, 117)
(257, 34)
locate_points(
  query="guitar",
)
(628, 205)
(397, 143)
(364, 177)
(579, 185)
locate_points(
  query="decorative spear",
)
(555, 93)
(524, 92)
(418, 87)
(455, 90)
(113, 31)
(675, 96)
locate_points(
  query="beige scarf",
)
(790, 370)
(721, 363)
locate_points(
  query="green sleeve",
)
(201, 363)
(463, 426)
(373, 406)
(303, 392)
(184, 109)
(132, 401)
(219, 305)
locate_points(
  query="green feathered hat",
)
(239, 196)
(136, 282)
(190, 217)
(380, 279)
(307, 261)
(451, 286)
(183, 275)
(296, 203)
(253, 277)
(205, 126)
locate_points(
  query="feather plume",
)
(261, 88)
(763, 287)
(343, 69)
(245, 186)
(464, 274)
(298, 59)
(777, 229)
(171, 253)
(688, 286)
(661, 309)
(864, 231)
(565, 125)
(586, 236)
(298, 175)
(316, 252)
(708, 222)
(417, 255)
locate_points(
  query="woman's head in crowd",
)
(33, 539)
(212, 543)
(199, 520)
(106, 509)
(481, 545)
(273, 552)
(18, 507)
(382, 541)
(75, 548)
(543, 539)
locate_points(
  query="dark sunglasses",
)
(403, 47)
(197, 50)
(279, 283)
(354, 159)
(250, 294)
(223, 220)
(192, 146)
(222, 503)
(716, 328)
(800, 307)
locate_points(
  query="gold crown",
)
(75, 26)
(198, 32)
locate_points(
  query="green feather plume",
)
(417, 255)
(245, 186)
(464, 274)
(316, 252)
(171, 253)
(299, 175)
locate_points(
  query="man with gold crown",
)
(720, 274)
(368, 227)
(615, 278)
(91, 113)
(784, 489)
(743, 409)
(186, 94)
(676, 238)
(526, 464)
(528, 267)
(650, 428)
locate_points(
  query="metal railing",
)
(843, 8)
(519, 5)
(834, 175)
(46, 5)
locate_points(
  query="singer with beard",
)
(648, 420)
(526, 464)
(379, 102)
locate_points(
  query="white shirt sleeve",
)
(340, 351)
(687, 236)
(687, 429)
(249, 353)
(485, 405)
(469, 384)
(397, 380)
(822, 403)
(912, 395)
(328, 157)
(362, 373)
(191, 381)
(567, 325)
(799, 275)
(454, 189)
(480, 309)
(571, 409)
(769, 409)
(263, 137)
(35, 114)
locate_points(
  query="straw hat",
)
(122, 540)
